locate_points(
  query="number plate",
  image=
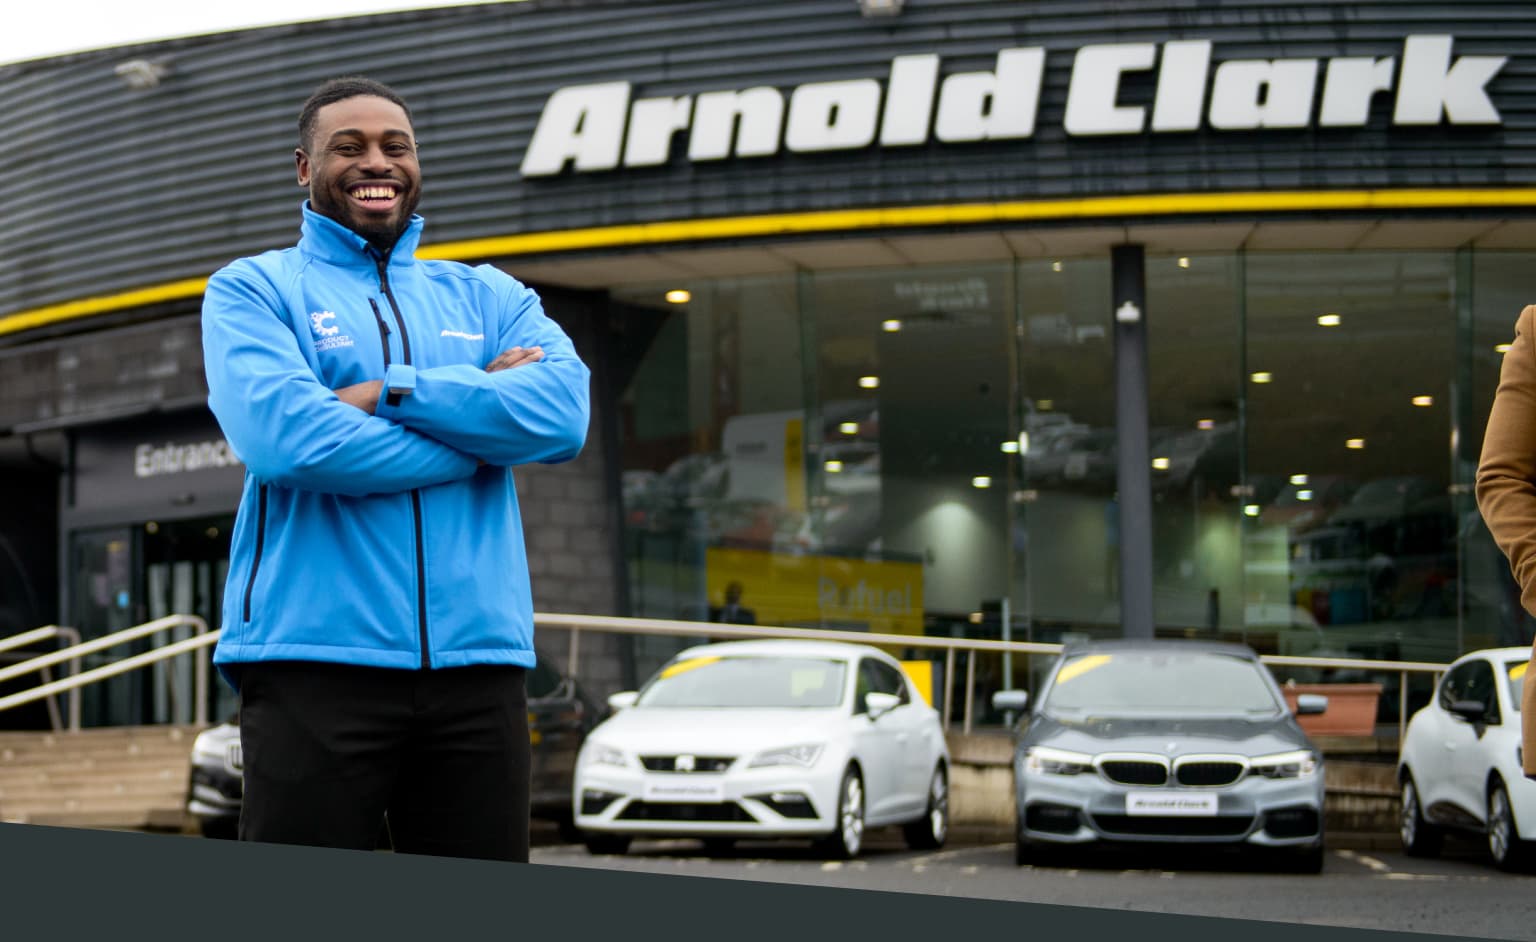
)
(1170, 804)
(684, 789)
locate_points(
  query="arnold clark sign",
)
(604, 127)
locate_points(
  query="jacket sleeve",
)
(533, 413)
(282, 421)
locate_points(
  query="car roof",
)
(1110, 645)
(781, 647)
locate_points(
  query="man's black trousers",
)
(331, 749)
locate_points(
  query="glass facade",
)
(900, 450)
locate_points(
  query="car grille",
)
(1134, 772)
(1208, 773)
(1173, 826)
(684, 811)
(700, 763)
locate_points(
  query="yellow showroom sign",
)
(810, 591)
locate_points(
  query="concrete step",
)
(121, 777)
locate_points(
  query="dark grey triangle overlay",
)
(76, 883)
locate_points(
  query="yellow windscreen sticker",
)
(682, 667)
(1517, 671)
(1081, 666)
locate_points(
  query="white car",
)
(1459, 768)
(767, 739)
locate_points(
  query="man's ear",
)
(301, 165)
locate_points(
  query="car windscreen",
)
(754, 682)
(1514, 671)
(1160, 681)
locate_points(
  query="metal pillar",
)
(1129, 287)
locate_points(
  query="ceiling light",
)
(1250, 510)
(1355, 443)
(849, 428)
(1184, 261)
(1304, 495)
(679, 296)
(1262, 377)
(1423, 400)
(981, 481)
(1045, 405)
(1010, 447)
(1299, 479)
(1023, 443)
(869, 382)
(1161, 464)
(1055, 266)
(1205, 425)
(834, 466)
(1329, 320)
(1502, 348)
(891, 325)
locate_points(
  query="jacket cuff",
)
(399, 382)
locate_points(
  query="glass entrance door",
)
(185, 562)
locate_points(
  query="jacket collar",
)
(327, 239)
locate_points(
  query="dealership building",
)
(942, 317)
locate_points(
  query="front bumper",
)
(770, 802)
(214, 793)
(1085, 808)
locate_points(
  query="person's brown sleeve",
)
(1528, 719)
(1506, 471)
(1506, 491)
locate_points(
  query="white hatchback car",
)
(1459, 767)
(767, 739)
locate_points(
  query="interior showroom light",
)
(1010, 447)
(869, 382)
(834, 466)
(1355, 443)
(679, 296)
(1423, 400)
(1262, 377)
(891, 325)
(981, 481)
(1300, 479)
(1205, 425)
(1160, 464)
(1329, 320)
(849, 428)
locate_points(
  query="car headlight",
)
(1298, 764)
(803, 755)
(596, 753)
(207, 750)
(1043, 760)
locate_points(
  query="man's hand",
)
(365, 396)
(515, 357)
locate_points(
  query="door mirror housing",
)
(1308, 704)
(880, 703)
(623, 700)
(1010, 701)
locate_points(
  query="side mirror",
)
(1311, 703)
(1010, 701)
(1470, 710)
(623, 700)
(879, 703)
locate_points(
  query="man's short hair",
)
(340, 89)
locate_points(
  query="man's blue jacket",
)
(393, 539)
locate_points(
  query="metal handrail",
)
(43, 634)
(575, 624)
(202, 637)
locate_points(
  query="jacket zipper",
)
(382, 262)
(261, 539)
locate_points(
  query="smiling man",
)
(377, 616)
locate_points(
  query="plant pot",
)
(1351, 708)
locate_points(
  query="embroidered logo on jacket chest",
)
(327, 335)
